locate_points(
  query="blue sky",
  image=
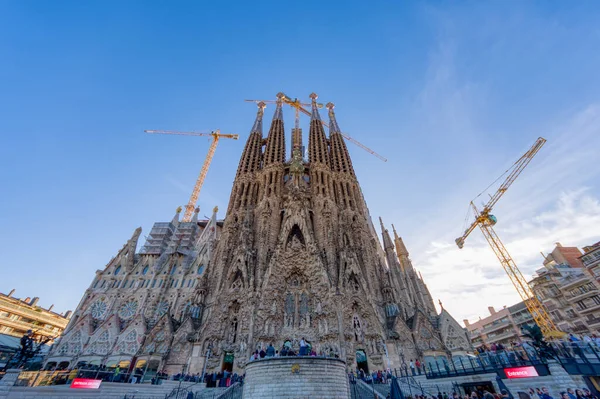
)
(450, 92)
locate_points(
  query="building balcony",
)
(504, 336)
(595, 322)
(582, 295)
(574, 282)
(34, 315)
(21, 327)
(590, 308)
(495, 327)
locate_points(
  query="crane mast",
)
(216, 135)
(485, 221)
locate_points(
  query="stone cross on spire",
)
(315, 109)
(257, 127)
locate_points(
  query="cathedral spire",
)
(250, 160)
(340, 158)
(317, 142)
(175, 219)
(400, 247)
(387, 241)
(314, 115)
(257, 127)
(275, 151)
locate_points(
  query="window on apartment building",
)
(555, 315)
(596, 299)
(571, 313)
(553, 291)
(581, 305)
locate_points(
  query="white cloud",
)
(471, 279)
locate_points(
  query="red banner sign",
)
(521, 372)
(85, 383)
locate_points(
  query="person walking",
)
(270, 350)
(303, 347)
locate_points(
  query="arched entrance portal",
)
(228, 361)
(361, 361)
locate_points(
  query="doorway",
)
(228, 362)
(361, 361)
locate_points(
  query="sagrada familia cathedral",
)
(297, 256)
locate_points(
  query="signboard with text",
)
(521, 372)
(85, 383)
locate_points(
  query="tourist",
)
(262, 353)
(270, 350)
(276, 353)
(303, 346)
(418, 365)
(545, 394)
(579, 394)
(412, 367)
(570, 392)
(284, 351)
(573, 338)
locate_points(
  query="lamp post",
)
(386, 353)
(206, 361)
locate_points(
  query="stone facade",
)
(297, 256)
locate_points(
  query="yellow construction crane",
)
(300, 108)
(485, 220)
(216, 135)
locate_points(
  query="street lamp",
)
(206, 360)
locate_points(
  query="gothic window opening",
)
(236, 281)
(117, 270)
(353, 282)
(234, 329)
(296, 238)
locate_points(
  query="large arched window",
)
(173, 269)
(200, 269)
(117, 270)
(145, 270)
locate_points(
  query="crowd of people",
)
(304, 349)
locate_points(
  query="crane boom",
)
(189, 208)
(486, 221)
(517, 168)
(216, 135)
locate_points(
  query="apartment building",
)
(19, 315)
(500, 327)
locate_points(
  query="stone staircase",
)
(111, 390)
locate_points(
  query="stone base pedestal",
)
(296, 377)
